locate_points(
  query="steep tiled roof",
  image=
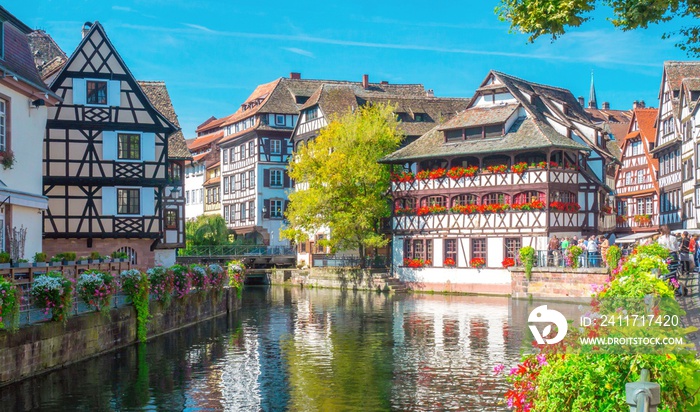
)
(48, 56)
(480, 116)
(202, 141)
(646, 119)
(613, 122)
(17, 59)
(524, 134)
(157, 93)
(676, 71)
(213, 180)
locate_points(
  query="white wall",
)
(31, 219)
(164, 257)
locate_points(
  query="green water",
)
(302, 350)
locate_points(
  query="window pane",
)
(96, 92)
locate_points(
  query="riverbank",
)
(43, 347)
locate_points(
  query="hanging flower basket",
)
(7, 159)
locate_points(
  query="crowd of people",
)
(594, 251)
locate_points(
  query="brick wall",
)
(42, 347)
(145, 258)
(556, 282)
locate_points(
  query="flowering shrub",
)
(449, 262)
(7, 159)
(53, 293)
(569, 207)
(642, 219)
(431, 210)
(465, 209)
(96, 288)
(508, 262)
(459, 172)
(572, 254)
(136, 286)
(519, 168)
(198, 277)
(543, 164)
(437, 173)
(161, 280)
(423, 175)
(216, 276)
(402, 177)
(417, 263)
(534, 204)
(477, 263)
(500, 169)
(9, 305)
(403, 211)
(236, 269)
(181, 280)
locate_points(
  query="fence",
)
(236, 250)
(558, 258)
(350, 261)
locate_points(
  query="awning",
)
(635, 237)
(19, 198)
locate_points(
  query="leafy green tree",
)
(342, 187)
(555, 17)
(207, 230)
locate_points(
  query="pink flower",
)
(513, 371)
(542, 359)
(498, 368)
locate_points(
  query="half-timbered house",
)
(105, 158)
(688, 105)
(205, 153)
(636, 186)
(24, 103)
(521, 163)
(668, 142)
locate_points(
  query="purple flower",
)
(542, 359)
(513, 371)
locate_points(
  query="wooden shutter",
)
(267, 150)
(266, 178)
(79, 91)
(109, 145)
(148, 146)
(109, 201)
(287, 181)
(114, 93)
(147, 201)
(266, 204)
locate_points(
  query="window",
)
(405, 203)
(175, 172)
(472, 133)
(434, 201)
(171, 219)
(275, 146)
(3, 120)
(529, 196)
(227, 218)
(493, 131)
(462, 200)
(495, 198)
(236, 208)
(279, 119)
(512, 246)
(276, 209)
(418, 250)
(407, 249)
(319, 247)
(96, 92)
(640, 176)
(187, 197)
(453, 135)
(251, 178)
(244, 211)
(251, 209)
(479, 248)
(226, 185)
(566, 197)
(225, 156)
(302, 247)
(237, 182)
(312, 113)
(419, 117)
(251, 148)
(628, 178)
(244, 181)
(128, 201)
(129, 146)
(451, 249)
(231, 154)
(276, 176)
(429, 251)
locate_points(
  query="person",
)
(592, 249)
(666, 240)
(604, 246)
(554, 247)
(694, 249)
(564, 244)
(684, 250)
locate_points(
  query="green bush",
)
(614, 256)
(39, 257)
(527, 256)
(4, 257)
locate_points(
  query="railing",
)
(236, 250)
(558, 258)
(505, 220)
(532, 176)
(350, 261)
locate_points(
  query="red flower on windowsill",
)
(569, 207)
(449, 262)
(477, 263)
(498, 169)
(403, 177)
(508, 262)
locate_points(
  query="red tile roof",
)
(205, 140)
(212, 181)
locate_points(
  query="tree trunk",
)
(361, 251)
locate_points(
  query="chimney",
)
(606, 105)
(430, 93)
(580, 101)
(635, 105)
(295, 75)
(86, 28)
(365, 81)
(642, 104)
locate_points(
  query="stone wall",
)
(39, 348)
(145, 257)
(337, 278)
(556, 282)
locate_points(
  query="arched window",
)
(129, 252)
(529, 196)
(563, 196)
(434, 201)
(461, 200)
(495, 198)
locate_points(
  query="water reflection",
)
(299, 350)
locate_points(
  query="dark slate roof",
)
(524, 134)
(48, 56)
(676, 71)
(480, 116)
(157, 93)
(17, 60)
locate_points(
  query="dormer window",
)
(453, 135)
(312, 113)
(472, 133)
(419, 117)
(96, 92)
(279, 119)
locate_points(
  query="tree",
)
(555, 17)
(343, 188)
(206, 230)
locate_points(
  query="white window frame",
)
(276, 204)
(275, 146)
(274, 172)
(277, 119)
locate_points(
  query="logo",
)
(543, 315)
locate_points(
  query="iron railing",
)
(558, 258)
(236, 250)
(350, 261)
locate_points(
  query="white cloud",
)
(299, 51)
(198, 27)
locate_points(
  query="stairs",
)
(392, 284)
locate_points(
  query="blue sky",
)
(212, 54)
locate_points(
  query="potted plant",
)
(22, 263)
(449, 262)
(120, 256)
(52, 293)
(39, 259)
(68, 258)
(95, 257)
(96, 288)
(83, 260)
(7, 159)
(4, 260)
(508, 262)
(477, 263)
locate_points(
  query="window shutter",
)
(287, 181)
(147, 201)
(109, 201)
(242, 208)
(267, 149)
(266, 178)
(284, 209)
(266, 204)
(79, 91)
(109, 145)
(148, 146)
(114, 93)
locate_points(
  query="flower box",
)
(22, 265)
(449, 262)
(568, 207)
(4, 265)
(508, 262)
(40, 264)
(477, 263)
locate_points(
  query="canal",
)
(303, 350)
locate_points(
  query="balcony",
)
(525, 221)
(529, 177)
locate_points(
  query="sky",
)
(212, 54)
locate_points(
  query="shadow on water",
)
(302, 350)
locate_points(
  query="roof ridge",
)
(531, 82)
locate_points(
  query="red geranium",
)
(508, 262)
(497, 169)
(477, 263)
(449, 262)
(403, 177)
(437, 173)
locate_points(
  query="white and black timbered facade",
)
(105, 158)
(521, 163)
